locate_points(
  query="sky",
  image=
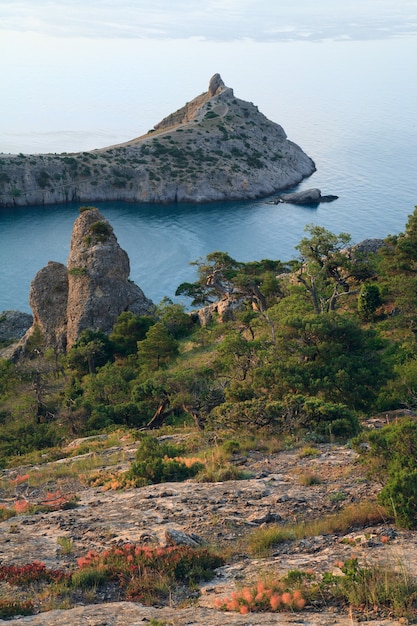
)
(217, 20)
(82, 74)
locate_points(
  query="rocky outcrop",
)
(216, 85)
(369, 246)
(214, 148)
(48, 299)
(308, 196)
(88, 294)
(223, 310)
(13, 325)
(98, 278)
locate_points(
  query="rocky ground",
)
(219, 514)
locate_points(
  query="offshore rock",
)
(214, 148)
(88, 294)
(308, 196)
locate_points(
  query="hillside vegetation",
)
(310, 351)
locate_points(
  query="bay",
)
(349, 104)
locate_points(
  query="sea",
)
(350, 103)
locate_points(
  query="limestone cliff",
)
(91, 292)
(215, 147)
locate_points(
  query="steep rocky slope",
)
(216, 147)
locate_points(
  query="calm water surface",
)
(351, 106)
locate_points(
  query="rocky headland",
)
(216, 147)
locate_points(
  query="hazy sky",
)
(80, 74)
(212, 19)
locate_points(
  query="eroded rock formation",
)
(48, 299)
(91, 292)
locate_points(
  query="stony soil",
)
(220, 514)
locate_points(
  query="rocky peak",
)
(88, 294)
(216, 85)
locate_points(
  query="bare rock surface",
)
(307, 196)
(131, 614)
(216, 147)
(220, 514)
(14, 324)
(48, 299)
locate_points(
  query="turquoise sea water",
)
(350, 105)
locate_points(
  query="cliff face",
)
(216, 147)
(91, 292)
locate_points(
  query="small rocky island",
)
(215, 148)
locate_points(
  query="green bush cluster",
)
(155, 463)
(390, 454)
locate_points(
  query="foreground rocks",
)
(214, 148)
(131, 614)
(220, 514)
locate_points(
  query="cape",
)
(215, 148)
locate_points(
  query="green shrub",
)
(390, 455)
(78, 271)
(43, 179)
(399, 496)
(369, 300)
(155, 463)
(101, 230)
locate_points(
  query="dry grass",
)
(308, 479)
(262, 541)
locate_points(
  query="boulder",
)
(178, 538)
(13, 325)
(308, 196)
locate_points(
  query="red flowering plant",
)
(146, 574)
(263, 597)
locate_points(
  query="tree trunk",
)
(160, 415)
